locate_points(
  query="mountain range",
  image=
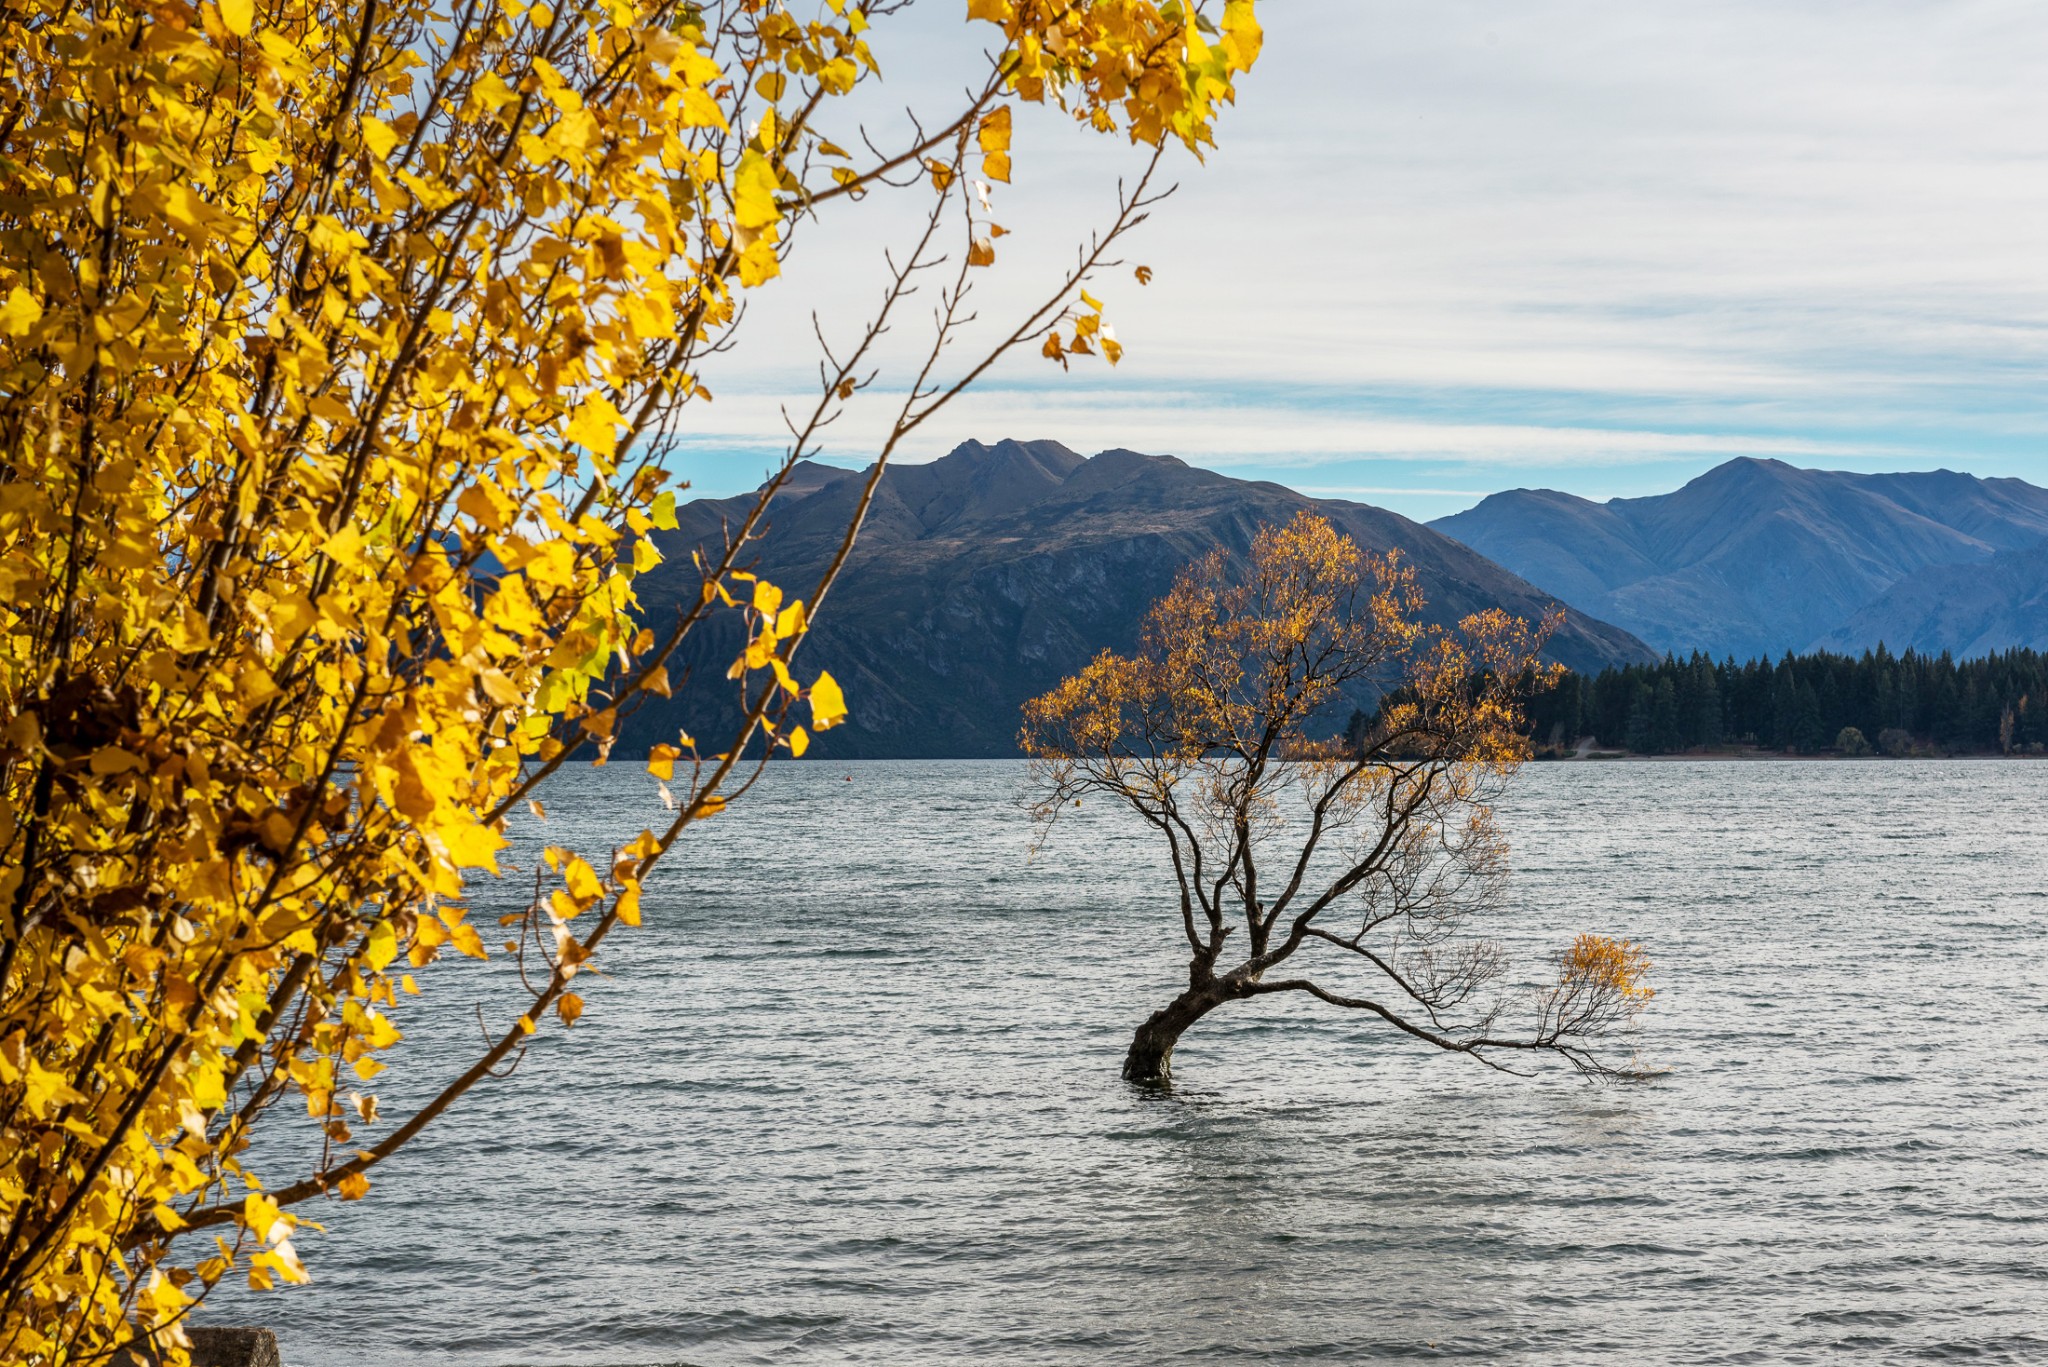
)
(1967, 610)
(983, 578)
(1757, 557)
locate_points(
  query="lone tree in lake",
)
(1369, 856)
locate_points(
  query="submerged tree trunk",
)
(1150, 1059)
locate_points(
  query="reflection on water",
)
(850, 1095)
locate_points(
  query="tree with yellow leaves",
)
(1380, 854)
(341, 342)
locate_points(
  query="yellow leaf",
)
(754, 188)
(568, 1006)
(465, 938)
(701, 111)
(472, 845)
(759, 263)
(345, 547)
(828, 704)
(238, 15)
(799, 741)
(480, 503)
(20, 313)
(382, 947)
(185, 630)
(45, 1089)
(1241, 32)
(262, 1216)
(582, 881)
(112, 759)
(379, 136)
(595, 426)
(491, 92)
(413, 794)
(790, 621)
(208, 1088)
(767, 598)
(500, 689)
(993, 133)
(661, 761)
(353, 1186)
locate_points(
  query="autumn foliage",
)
(340, 345)
(1378, 857)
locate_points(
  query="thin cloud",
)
(1276, 432)
(1384, 490)
(1483, 244)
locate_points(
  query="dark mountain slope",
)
(1967, 610)
(983, 578)
(1755, 557)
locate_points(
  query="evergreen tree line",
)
(1806, 704)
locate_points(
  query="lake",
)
(850, 1095)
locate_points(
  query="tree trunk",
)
(1150, 1060)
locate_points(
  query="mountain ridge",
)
(1754, 557)
(984, 577)
(1966, 611)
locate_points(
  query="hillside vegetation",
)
(1804, 704)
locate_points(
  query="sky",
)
(1450, 247)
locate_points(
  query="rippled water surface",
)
(851, 1095)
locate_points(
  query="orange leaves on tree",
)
(1208, 729)
(1607, 967)
(1091, 333)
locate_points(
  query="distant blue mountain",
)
(1757, 557)
(1966, 610)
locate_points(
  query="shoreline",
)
(1761, 756)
